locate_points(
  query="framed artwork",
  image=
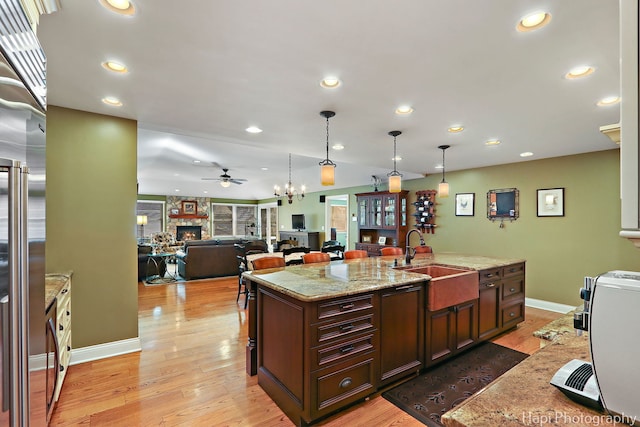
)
(366, 239)
(465, 204)
(382, 240)
(189, 207)
(174, 211)
(550, 202)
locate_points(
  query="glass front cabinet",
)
(382, 220)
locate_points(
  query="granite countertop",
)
(523, 396)
(318, 281)
(53, 283)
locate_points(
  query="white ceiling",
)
(204, 70)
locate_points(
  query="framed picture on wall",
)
(382, 240)
(465, 204)
(550, 201)
(189, 207)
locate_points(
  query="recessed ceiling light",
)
(123, 7)
(438, 167)
(330, 82)
(337, 147)
(526, 154)
(404, 109)
(264, 168)
(609, 100)
(533, 21)
(578, 72)
(116, 67)
(492, 142)
(196, 161)
(253, 129)
(205, 192)
(112, 101)
(455, 129)
(396, 158)
(177, 190)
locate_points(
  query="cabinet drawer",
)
(513, 270)
(490, 274)
(322, 333)
(335, 388)
(512, 315)
(513, 289)
(343, 350)
(338, 307)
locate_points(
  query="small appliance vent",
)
(578, 378)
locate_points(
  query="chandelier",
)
(289, 191)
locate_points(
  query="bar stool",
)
(391, 250)
(355, 253)
(267, 262)
(422, 249)
(315, 257)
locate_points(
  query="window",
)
(233, 220)
(155, 213)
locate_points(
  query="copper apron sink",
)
(448, 286)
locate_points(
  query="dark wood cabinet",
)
(401, 331)
(489, 303)
(381, 215)
(450, 330)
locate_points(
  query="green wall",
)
(559, 251)
(91, 224)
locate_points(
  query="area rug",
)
(442, 388)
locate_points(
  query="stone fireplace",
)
(188, 232)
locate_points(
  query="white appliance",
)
(613, 378)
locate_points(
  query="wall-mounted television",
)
(297, 221)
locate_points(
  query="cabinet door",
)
(440, 329)
(466, 324)
(489, 309)
(401, 331)
(375, 219)
(390, 212)
(363, 211)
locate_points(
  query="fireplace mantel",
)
(188, 216)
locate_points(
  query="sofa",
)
(144, 252)
(200, 259)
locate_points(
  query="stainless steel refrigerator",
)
(22, 222)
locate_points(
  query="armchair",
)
(165, 242)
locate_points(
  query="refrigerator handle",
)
(4, 338)
(24, 294)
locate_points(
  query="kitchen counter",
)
(523, 395)
(314, 282)
(53, 283)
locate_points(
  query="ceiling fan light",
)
(328, 174)
(225, 184)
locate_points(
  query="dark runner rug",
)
(442, 388)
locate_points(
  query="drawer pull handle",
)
(345, 382)
(403, 288)
(488, 275)
(345, 328)
(347, 306)
(490, 285)
(61, 327)
(347, 349)
(513, 270)
(512, 314)
(61, 368)
(64, 291)
(512, 289)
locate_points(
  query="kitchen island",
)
(324, 336)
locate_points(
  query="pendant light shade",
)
(327, 167)
(395, 177)
(443, 187)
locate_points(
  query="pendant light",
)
(443, 187)
(327, 167)
(289, 191)
(395, 177)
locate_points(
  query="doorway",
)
(337, 218)
(268, 223)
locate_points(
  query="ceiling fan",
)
(225, 179)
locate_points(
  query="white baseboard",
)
(102, 351)
(548, 305)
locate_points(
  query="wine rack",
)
(425, 214)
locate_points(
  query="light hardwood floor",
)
(191, 370)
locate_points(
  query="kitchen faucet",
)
(408, 254)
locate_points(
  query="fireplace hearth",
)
(188, 232)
